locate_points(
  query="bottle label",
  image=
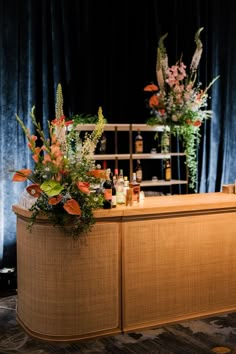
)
(108, 194)
(136, 193)
(138, 146)
(168, 174)
(139, 175)
(113, 201)
(120, 196)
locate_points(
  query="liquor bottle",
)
(126, 184)
(139, 172)
(167, 170)
(116, 173)
(120, 190)
(104, 165)
(138, 143)
(107, 191)
(135, 186)
(103, 144)
(113, 189)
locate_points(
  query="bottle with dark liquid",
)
(138, 143)
(107, 191)
(113, 189)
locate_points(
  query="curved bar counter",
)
(164, 260)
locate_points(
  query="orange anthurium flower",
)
(153, 101)
(72, 207)
(34, 190)
(55, 200)
(84, 187)
(151, 87)
(21, 175)
(97, 173)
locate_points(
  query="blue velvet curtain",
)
(103, 53)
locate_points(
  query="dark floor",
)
(216, 334)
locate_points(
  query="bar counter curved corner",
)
(164, 260)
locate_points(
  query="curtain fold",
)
(104, 53)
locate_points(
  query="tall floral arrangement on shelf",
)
(63, 183)
(179, 102)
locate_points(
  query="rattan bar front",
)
(163, 260)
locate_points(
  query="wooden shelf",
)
(112, 157)
(122, 127)
(161, 182)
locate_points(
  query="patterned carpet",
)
(216, 334)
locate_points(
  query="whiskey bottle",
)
(139, 172)
(138, 143)
(135, 186)
(167, 170)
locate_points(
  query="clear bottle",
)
(107, 191)
(139, 171)
(138, 143)
(120, 189)
(126, 184)
(167, 170)
(116, 174)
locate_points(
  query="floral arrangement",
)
(63, 182)
(179, 102)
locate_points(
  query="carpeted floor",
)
(216, 334)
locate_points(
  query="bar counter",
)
(166, 259)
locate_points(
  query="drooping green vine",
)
(190, 137)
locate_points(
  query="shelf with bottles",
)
(120, 152)
(154, 174)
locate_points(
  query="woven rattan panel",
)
(178, 268)
(68, 287)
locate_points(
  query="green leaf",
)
(51, 188)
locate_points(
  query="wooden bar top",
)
(184, 204)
